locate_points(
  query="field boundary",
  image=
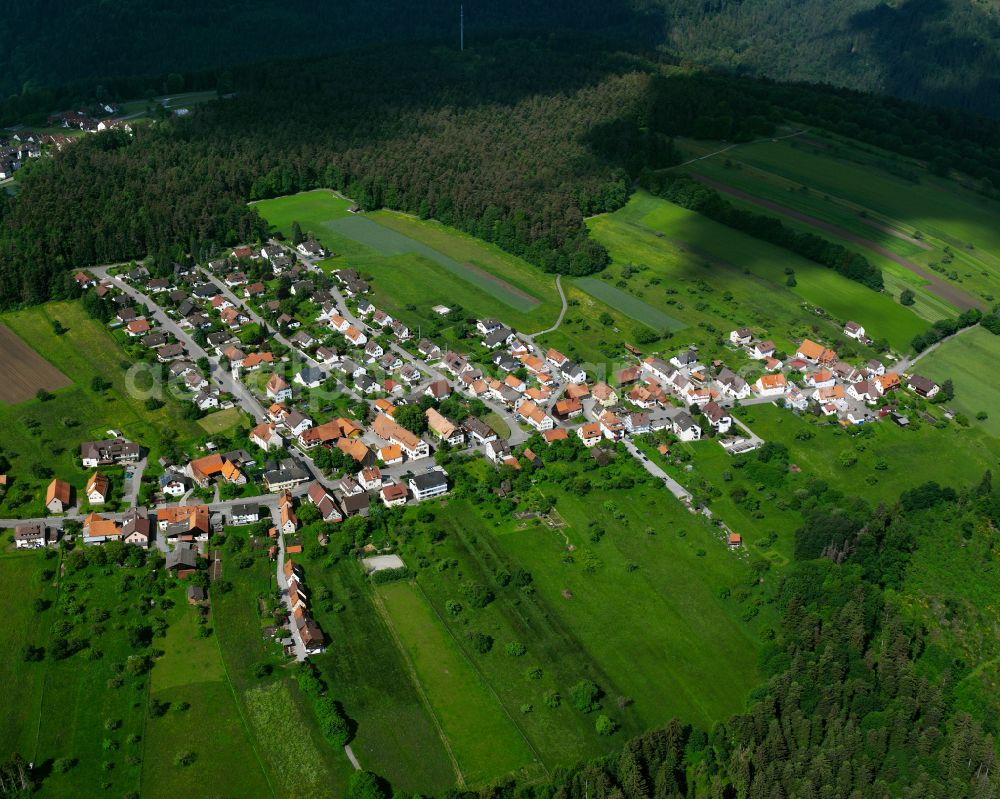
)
(641, 311)
(27, 370)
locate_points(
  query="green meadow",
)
(839, 181)
(969, 361)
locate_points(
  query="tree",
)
(605, 726)
(412, 418)
(297, 236)
(365, 785)
(584, 696)
(907, 297)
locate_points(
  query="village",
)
(223, 338)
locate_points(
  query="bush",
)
(584, 696)
(482, 643)
(552, 699)
(185, 758)
(515, 649)
(605, 725)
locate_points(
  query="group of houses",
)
(306, 628)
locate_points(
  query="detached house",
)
(718, 417)
(923, 386)
(277, 389)
(98, 488)
(771, 385)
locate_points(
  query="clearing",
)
(969, 361)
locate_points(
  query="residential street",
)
(672, 485)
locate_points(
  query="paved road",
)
(674, 487)
(905, 364)
(750, 433)
(133, 484)
(300, 650)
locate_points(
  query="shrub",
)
(584, 696)
(515, 649)
(482, 643)
(605, 725)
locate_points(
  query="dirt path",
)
(906, 363)
(562, 312)
(940, 287)
(743, 144)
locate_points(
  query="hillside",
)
(940, 52)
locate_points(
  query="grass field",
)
(222, 421)
(45, 435)
(838, 181)
(968, 361)
(713, 279)
(485, 742)
(387, 241)
(23, 584)
(629, 305)
(888, 461)
(191, 673)
(396, 735)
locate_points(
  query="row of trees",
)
(689, 193)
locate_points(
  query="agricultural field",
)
(969, 360)
(26, 372)
(714, 279)
(935, 223)
(629, 305)
(42, 436)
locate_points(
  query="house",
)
(515, 383)
(771, 385)
(355, 336)
(98, 530)
(865, 391)
(821, 378)
(590, 434)
(497, 451)
(732, 385)
(391, 455)
(438, 389)
(604, 394)
(312, 637)
(137, 328)
(57, 496)
(684, 427)
(487, 326)
(478, 430)
(170, 352)
(400, 331)
(84, 281)
(366, 384)
(324, 502)
(302, 340)
(277, 389)
(182, 558)
(687, 359)
(796, 400)
(369, 478)
(98, 488)
(208, 398)
(572, 373)
(556, 358)
(310, 377)
(555, 434)
(497, 337)
(355, 504)
(174, 484)
(296, 422)
(311, 249)
(810, 351)
(329, 432)
(265, 436)
(373, 351)
(357, 450)
(741, 337)
(734, 540)
(529, 412)
(288, 522)
(244, 513)
(212, 467)
(657, 367)
(637, 424)
(195, 381)
(395, 494)
(385, 428)
(284, 475)
(428, 349)
(34, 536)
(136, 527)
(887, 382)
(235, 356)
(923, 386)
(612, 427)
(762, 350)
(854, 330)
(254, 360)
(410, 374)
(568, 408)
(718, 417)
(429, 484)
(254, 290)
(444, 429)
(153, 340)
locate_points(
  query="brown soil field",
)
(24, 370)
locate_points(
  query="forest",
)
(516, 143)
(938, 52)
